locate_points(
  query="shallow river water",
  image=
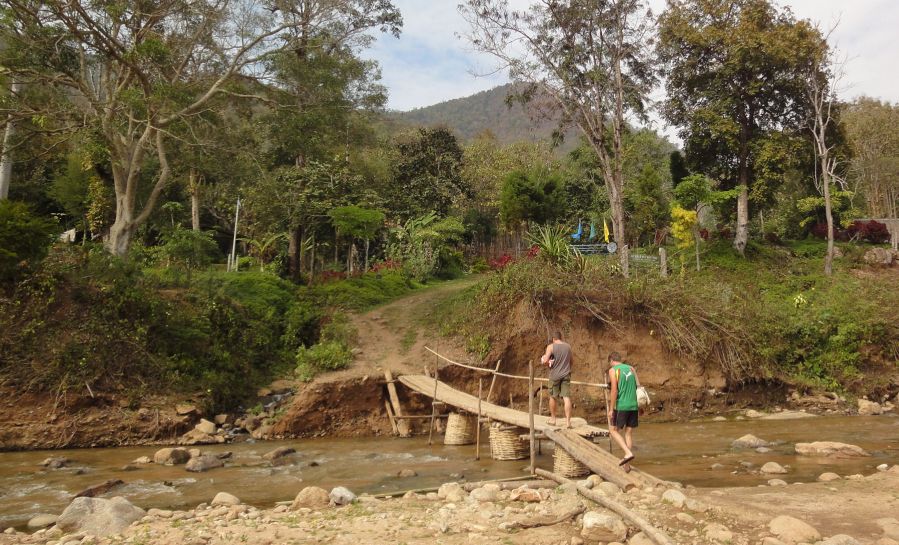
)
(683, 452)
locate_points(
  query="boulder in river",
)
(56, 462)
(278, 453)
(830, 449)
(311, 497)
(41, 521)
(749, 441)
(142, 460)
(791, 530)
(341, 496)
(773, 468)
(827, 477)
(603, 526)
(171, 456)
(203, 463)
(406, 473)
(99, 489)
(99, 517)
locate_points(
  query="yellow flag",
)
(605, 230)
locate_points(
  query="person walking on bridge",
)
(558, 358)
(623, 382)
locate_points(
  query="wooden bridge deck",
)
(575, 441)
(449, 395)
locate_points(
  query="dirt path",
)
(394, 336)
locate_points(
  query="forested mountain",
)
(487, 111)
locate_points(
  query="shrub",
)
(189, 249)
(870, 231)
(24, 239)
(324, 356)
(366, 291)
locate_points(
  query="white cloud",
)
(430, 64)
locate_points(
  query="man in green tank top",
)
(623, 383)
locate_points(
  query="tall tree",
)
(871, 129)
(136, 69)
(589, 57)
(734, 78)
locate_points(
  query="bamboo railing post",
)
(531, 415)
(605, 395)
(493, 380)
(433, 407)
(477, 442)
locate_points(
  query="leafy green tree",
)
(417, 243)
(134, 72)
(188, 249)
(677, 167)
(427, 173)
(588, 60)
(357, 222)
(535, 197)
(734, 78)
(874, 169)
(24, 238)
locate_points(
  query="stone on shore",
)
(42, 521)
(718, 532)
(341, 496)
(869, 408)
(749, 441)
(203, 463)
(525, 494)
(311, 497)
(751, 413)
(171, 456)
(792, 531)
(205, 426)
(451, 492)
(890, 528)
(840, 539)
(830, 449)
(603, 526)
(185, 409)
(640, 539)
(773, 468)
(98, 516)
(777, 482)
(197, 437)
(223, 498)
(488, 492)
(143, 460)
(827, 477)
(674, 497)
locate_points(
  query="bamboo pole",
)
(653, 533)
(390, 416)
(477, 452)
(493, 380)
(531, 414)
(433, 409)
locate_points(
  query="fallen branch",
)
(538, 523)
(657, 536)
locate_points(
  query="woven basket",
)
(460, 430)
(566, 466)
(505, 443)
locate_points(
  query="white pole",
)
(234, 240)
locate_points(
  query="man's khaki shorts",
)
(560, 388)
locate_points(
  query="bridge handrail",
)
(497, 373)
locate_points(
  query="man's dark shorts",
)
(560, 388)
(624, 419)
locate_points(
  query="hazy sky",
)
(430, 64)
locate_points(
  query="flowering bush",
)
(501, 262)
(871, 231)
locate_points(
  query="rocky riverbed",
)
(491, 513)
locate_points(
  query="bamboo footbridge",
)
(576, 441)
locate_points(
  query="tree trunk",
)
(5, 153)
(120, 235)
(367, 242)
(697, 238)
(741, 238)
(293, 253)
(194, 188)
(828, 213)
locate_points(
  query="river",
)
(684, 451)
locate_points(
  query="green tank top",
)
(627, 387)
